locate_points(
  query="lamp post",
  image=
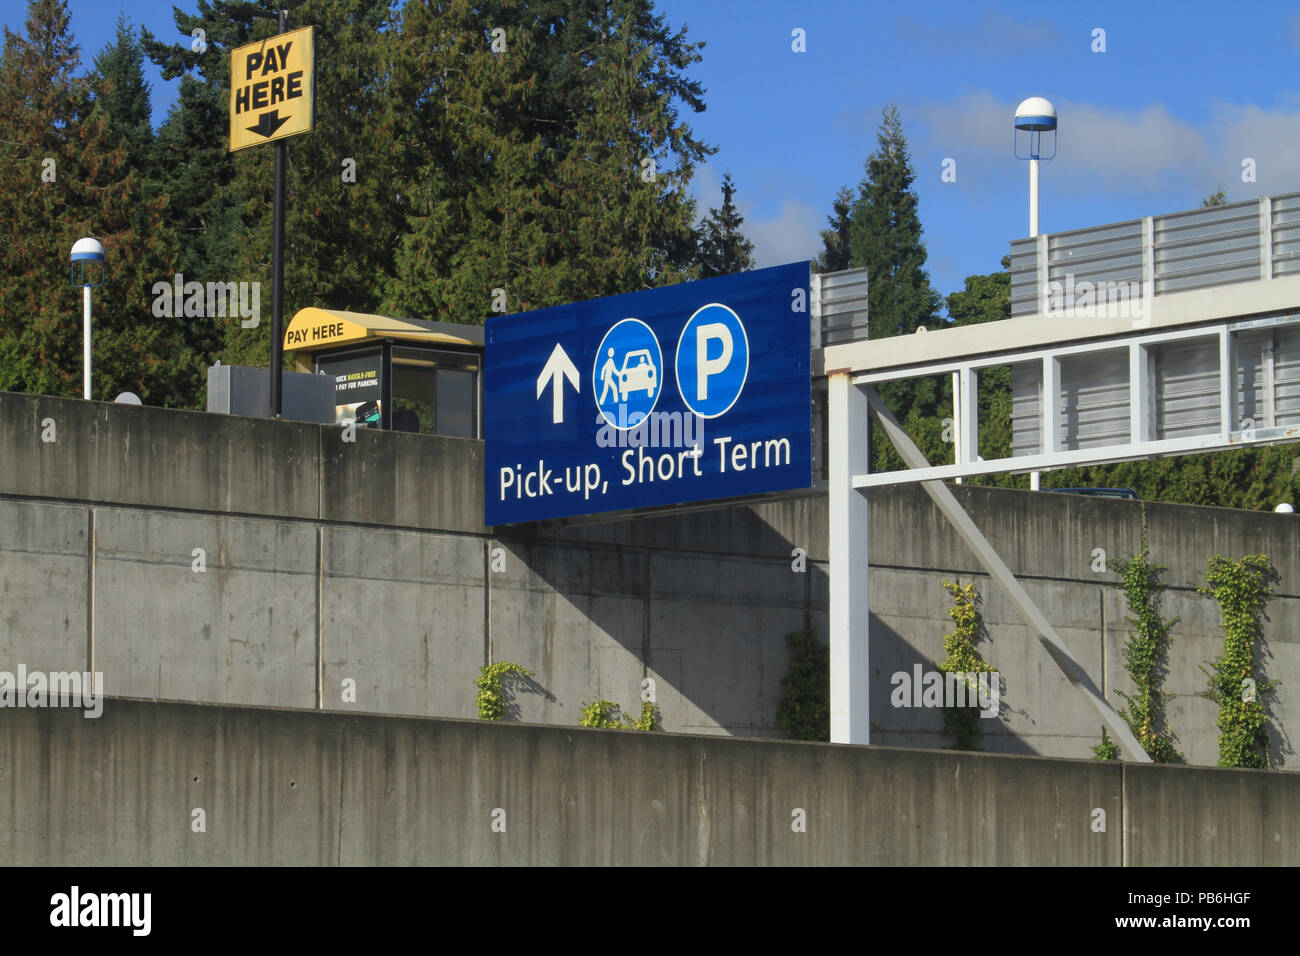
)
(1034, 117)
(87, 271)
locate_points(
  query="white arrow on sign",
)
(558, 364)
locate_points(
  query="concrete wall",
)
(301, 788)
(333, 563)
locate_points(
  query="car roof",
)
(1100, 492)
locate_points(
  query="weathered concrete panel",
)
(121, 790)
(155, 457)
(574, 616)
(718, 631)
(243, 631)
(43, 583)
(613, 798)
(1183, 816)
(402, 617)
(297, 788)
(401, 480)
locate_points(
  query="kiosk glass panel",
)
(435, 391)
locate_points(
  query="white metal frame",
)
(849, 568)
(998, 570)
(853, 402)
(1186, 311)
(1141, 443)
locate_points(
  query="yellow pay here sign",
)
(271, 88)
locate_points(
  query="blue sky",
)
(1184, 91)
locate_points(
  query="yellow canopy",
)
(313, 329)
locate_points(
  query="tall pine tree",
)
(73, 179)
(836, 256)
(204, 219)
(885, 236)
(724, 250)
(546, 154)
(123, 95)
(883, 231)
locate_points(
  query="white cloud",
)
(707, 187)
(1131, 150)
(793, 235)
(1271, 137)
(996, 33)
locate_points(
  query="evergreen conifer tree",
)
(72, 179)
(122, 93)
(836, 255)
(724, 250)
(546, 155)
(884, 235)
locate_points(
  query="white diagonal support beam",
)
(998, 570)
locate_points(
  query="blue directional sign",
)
(692, 392)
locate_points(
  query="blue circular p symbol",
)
(712, 360)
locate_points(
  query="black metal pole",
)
(277, 271)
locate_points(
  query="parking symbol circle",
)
(712, 360)
(628, 373)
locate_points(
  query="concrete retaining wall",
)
(333, 565)
(286, 788)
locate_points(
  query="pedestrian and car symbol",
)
(638, 377)
(627, 374)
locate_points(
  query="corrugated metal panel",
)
(1110, 253)
(1250, 377)
(1286, 234)
(1093, 402)
(1286, 377)
(1216, 245)
(1094, 399)
(1026, 378)
(1187, 388)
(844, 306)
(1024, 277)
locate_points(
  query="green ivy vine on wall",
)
(1145, 655)
(1241, 589)
(804, 711)
(962, 724)
(491, 698)
(608, 715)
